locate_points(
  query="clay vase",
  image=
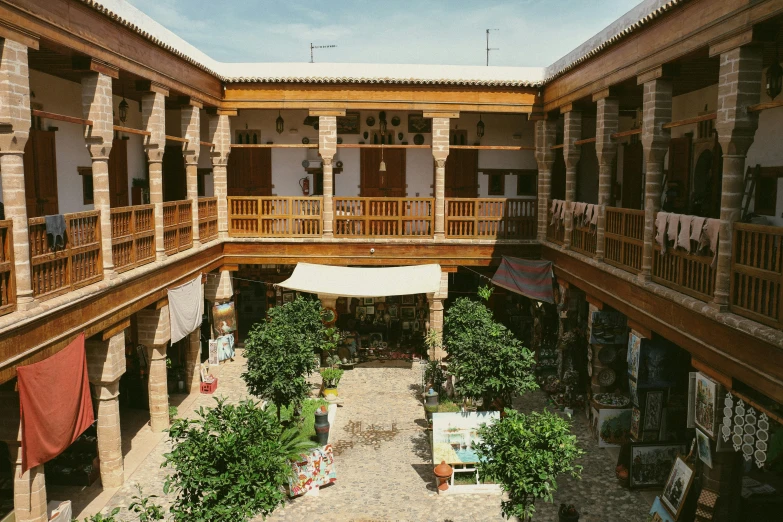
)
(443, 473)
(430, 402)
(322, 427)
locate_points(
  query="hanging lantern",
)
(480, 128)
(123, 110)
(279, 123)
(774, 78)
(382, 167)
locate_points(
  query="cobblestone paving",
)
(384, 469)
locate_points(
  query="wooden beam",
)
(176, 138)
(559, 146)
(608, 92)
(129, 130)
(720, 377)
(690, 121)
(646, 332)
(743, 38)
(491, 147)
(766, 105)
(622, 134)
(18, 34)
(117, 328)
(594, 301)
(666, 70)
(275, 146)
(222, 112)
(160, 304)
(61, 117)
(150, 86)
(189, 101)
(584, 141)
(90, 64)
(441, 114)
(228, 267)
(206, 144)
(449, 269)
(568, 107)
(329, 112)
(374, 146)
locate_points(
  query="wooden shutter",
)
(118, 174)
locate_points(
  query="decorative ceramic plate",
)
(399, 136)
(305, 140)
(328, 316)
(396, 122)
(366, 135)
(607, 355)
(606, 377)
(370, 121)
(339, 164)
(339, 139)
(610, 399)
(418, 139)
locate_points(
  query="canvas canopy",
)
(532, 279)
(364, 282)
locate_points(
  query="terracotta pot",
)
(443, 473)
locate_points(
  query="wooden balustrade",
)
(383, 217)
(7, 274)
(757, 273)
(207, 219)
(177, 226)
(274, 216)
(132, 236)
(583, 237)
(624, 238)
(689, 274)
(64, 268)
(491, 218)
(555, 231)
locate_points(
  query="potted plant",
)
(331, 378)
(568, 513)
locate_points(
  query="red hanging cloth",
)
(55, 404)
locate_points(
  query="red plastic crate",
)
(209, 387)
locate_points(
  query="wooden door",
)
(558, 187)
(377, 184)
(679, 178)
(174, 179)
(40, 174)
(462, 173)
(633, 157)
(118, 174)
(250, 172)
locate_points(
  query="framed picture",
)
(636, 421)
(691, 419)
(608, 328)
(213, 353)
(224, 318)
(416, 326)
(376, 338)
(677, 486)
(658, 513)
(394, 311)
(633, 390)
(406, 325)
(348, 124)
(361, 312)
(614, 427)
(706, 417)
(634, 349)
(703, 444)
(653, 409)
(408, 299)
(650, 463)
(370, 310)
(408, 313)
(288, 297)
(418, 124)
(368, 301)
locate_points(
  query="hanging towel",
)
(55, 403)
(55, 230)
(555, 207)
(674, 223)
(660, 227)
(563, 206)
(596, 210)
(588, 214)
(697, 228)
(186, 306)
(712, 229)
(684, 239)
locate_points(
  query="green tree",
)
(281, 352)
(228, 464)
(488, 361)
(525, 454)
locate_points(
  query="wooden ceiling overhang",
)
(375, 96)
(69, 30)
(684, 35)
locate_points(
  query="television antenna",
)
(490, 48)
(318, 47)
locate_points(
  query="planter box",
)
(209, 387)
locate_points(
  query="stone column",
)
(29, 488)
(572, 131)
(739, 86)
(545, 157)
(153, 117)
(328, 300)
(155, 333)
(15, 110)
(440, 151)
(220, 136)
(327, 147)
(191, 130)
(97, 106)
(219, 289)
(436, 313)
(656, 110)
(607, 123)
(193, 362)
(105, 366)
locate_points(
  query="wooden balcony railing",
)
(207, 219)
(624, 238)
(274, 216)
(383, 217)
(757, 273)
(555, 232)
(686, 273)
(7, 277)
(132, 236)
(491, 218)
(583, 237)
(177, 226)
(78, 264)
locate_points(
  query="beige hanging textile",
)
(364, 282)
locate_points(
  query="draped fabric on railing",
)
(364, 282)
(532, 279)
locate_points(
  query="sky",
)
(529, 32)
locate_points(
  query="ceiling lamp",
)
(774, 77)
(382, 167)
(480, 128)
(279, 123)
(123, 107)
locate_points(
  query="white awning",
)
(364, 282)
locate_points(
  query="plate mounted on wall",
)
(370, 121)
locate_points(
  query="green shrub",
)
(331, 376)
(228, 464)
(145, 507)
(98, 517)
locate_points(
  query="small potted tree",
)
(568, 513)
(331, 378)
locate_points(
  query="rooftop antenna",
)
(490, 48)
(318, 47)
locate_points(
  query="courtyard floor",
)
(383, 460)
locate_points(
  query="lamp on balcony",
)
(123, 107)
(382, 167)
(480, 128)
(279, 123)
